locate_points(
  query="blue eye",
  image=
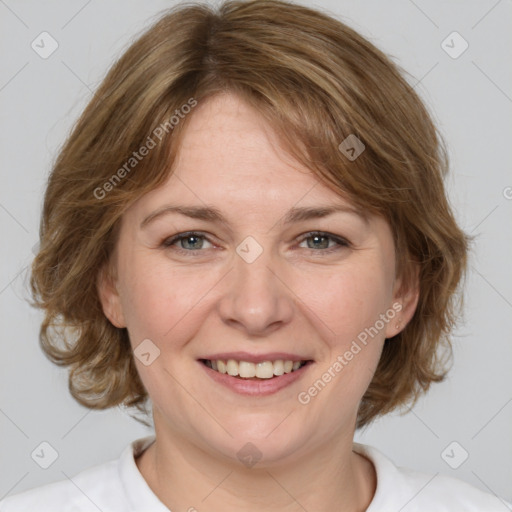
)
(321, 240)
(193, 240)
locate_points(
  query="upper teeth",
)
(245, 369)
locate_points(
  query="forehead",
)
(228, 136)
(229, 154)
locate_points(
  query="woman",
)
(248, 226)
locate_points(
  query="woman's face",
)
(258, 286)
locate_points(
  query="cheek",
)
(146, 295)
(160, 301)
(347, 305)
(347, 300)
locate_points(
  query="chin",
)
(261, 441)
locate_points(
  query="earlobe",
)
(109, 298)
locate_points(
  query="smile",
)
(254, 379)
(248, 370)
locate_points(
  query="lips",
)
(255, 374)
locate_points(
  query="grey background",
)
(470, 97)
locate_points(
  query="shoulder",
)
(414, 491)
(448, 493)
(110, 487)
(84, 492)
(114, 486)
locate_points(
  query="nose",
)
(257, 300)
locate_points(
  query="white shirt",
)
(118, 486)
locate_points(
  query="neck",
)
(185, 477)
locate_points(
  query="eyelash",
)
(169, 242)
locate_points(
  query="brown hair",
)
(316, 81)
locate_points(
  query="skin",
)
(291, 298)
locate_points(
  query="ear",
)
(405, 300)
(109, 297)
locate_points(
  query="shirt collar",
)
(388, 477)
(139, 494)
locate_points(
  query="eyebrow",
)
(212, 214)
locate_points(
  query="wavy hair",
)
(316, 81)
